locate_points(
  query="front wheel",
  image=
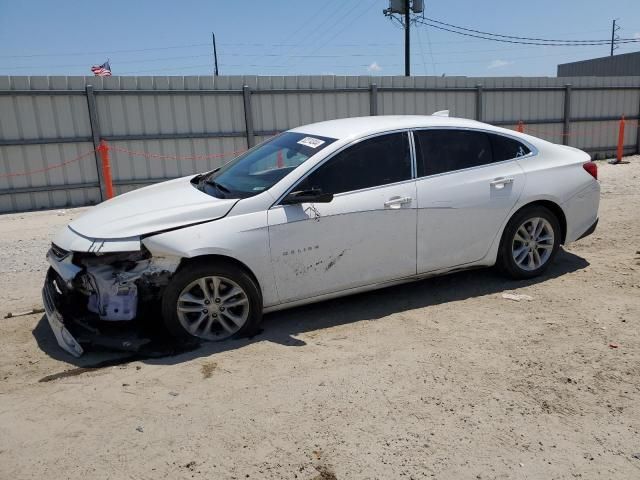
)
(211, 301)
(529, 242)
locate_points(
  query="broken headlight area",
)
(94, 295)
(110, 282)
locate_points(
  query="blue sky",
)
(288, 37)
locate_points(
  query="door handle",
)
(500, 182)
(397, 202)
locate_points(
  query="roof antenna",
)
(440, 113)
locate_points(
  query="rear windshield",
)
(263, 166)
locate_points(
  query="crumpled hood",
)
(157, 207)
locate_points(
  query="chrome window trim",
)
(406, 131)
(451, 172)
(414, 158)
(533, 151)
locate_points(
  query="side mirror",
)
(315, 195)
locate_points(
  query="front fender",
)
(244, 238)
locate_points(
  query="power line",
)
(229, 55)
(120, 62)
(348, 65)
(310, 34)
(433, 62)
(336, 56)
(424, 63)
(324, 32)
(524, 38)
(304, 24)
(208, 45)
(339, 32)
(235, 44)
(105, 52)
(503, 40)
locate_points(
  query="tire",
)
(230, 308)
(523, 255)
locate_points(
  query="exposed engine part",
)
(113, 282)
(113, 296)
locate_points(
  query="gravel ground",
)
(442, 378)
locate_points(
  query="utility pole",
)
(215, 54)
(614, 29)
(407, 40)
(613, 32)
(404, 8)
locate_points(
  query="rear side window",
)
(505, 148)
(440, 151)
(378, 161)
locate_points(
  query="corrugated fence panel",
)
(547, 131)
(177, 132)
(152, 156)
(166, 115)
(276, 112)
(41, 117)
(604, 103)
(521, 105)
(415, 102)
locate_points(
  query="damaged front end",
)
(88, 295)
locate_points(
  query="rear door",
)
(468, 182)
(365, 235)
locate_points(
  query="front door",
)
(365, 235)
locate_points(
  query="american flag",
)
(103, 70)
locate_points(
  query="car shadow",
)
(282, 327)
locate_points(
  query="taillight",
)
(591, 168)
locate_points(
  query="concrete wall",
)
(46, 121)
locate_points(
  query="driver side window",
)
(377, 161)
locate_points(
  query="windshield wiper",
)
(219, 186)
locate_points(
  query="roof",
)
(354, 127)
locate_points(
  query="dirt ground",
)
(442, 378)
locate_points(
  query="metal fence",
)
(164, 127)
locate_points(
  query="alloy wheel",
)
(533, 244)
(213, 308)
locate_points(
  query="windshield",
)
(262, 167)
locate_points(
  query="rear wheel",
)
(212, 301)
(529, 242)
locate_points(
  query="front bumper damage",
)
(64, 338)
(91, 299)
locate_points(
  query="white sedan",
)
(317, 212)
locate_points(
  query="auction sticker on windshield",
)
(311, 142)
